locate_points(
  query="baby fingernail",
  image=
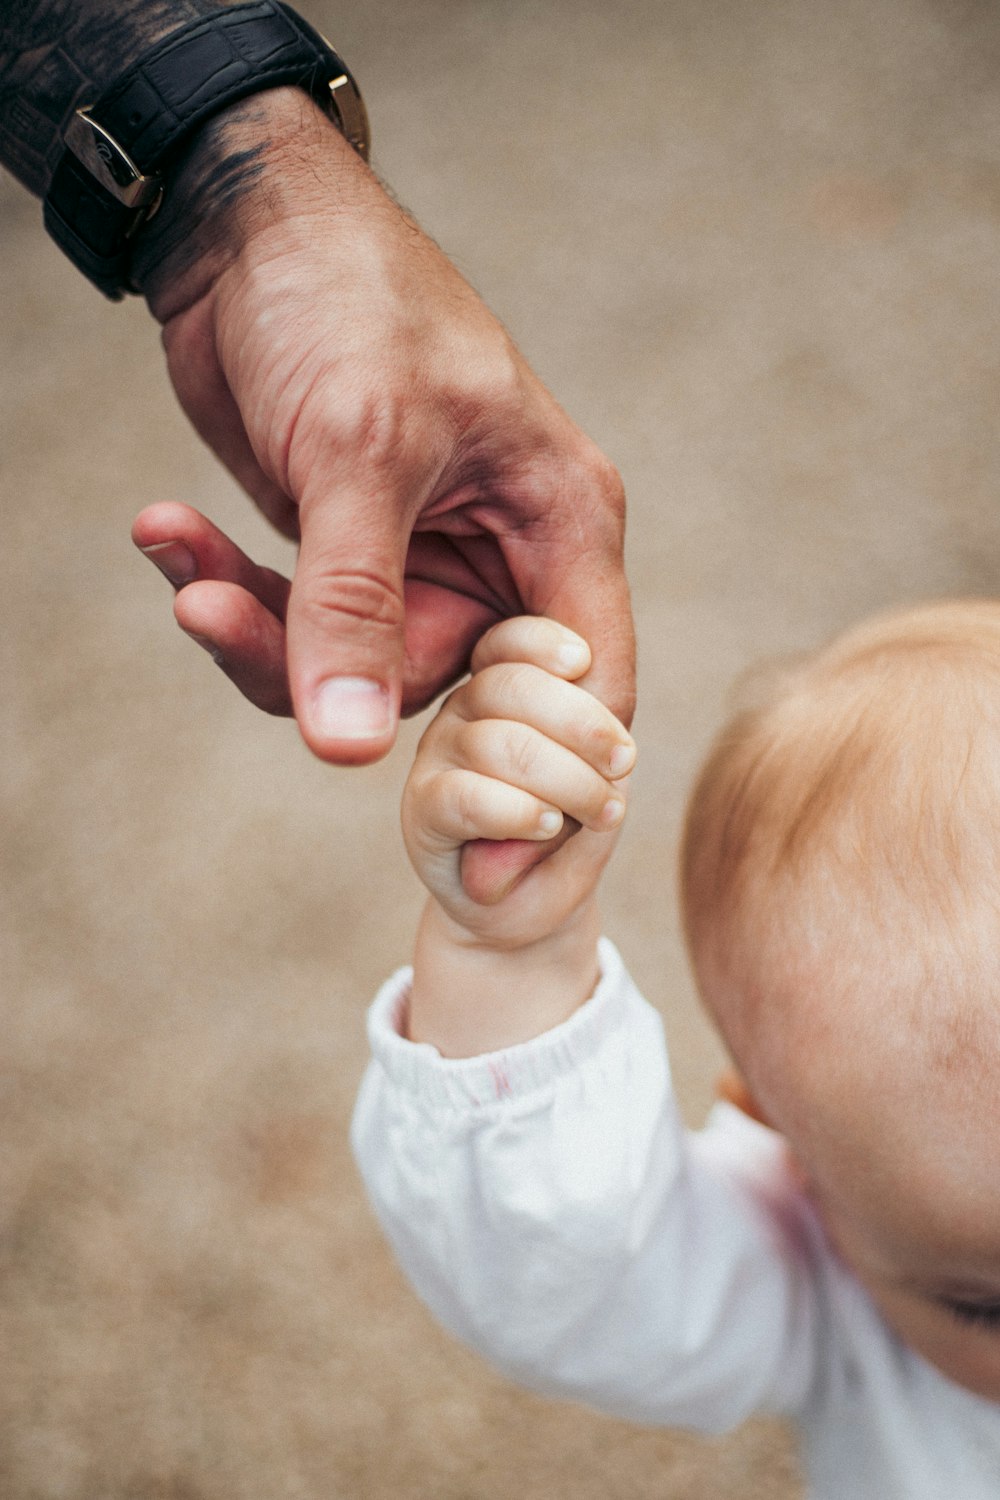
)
(573, 656)
(612, 813)
(550, 822)
(351, 708)
(175, 561)
(622, 757)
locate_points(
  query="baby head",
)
(841, 896)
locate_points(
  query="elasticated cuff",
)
(515, 1073)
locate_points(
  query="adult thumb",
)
(345, 630)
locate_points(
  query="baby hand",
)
(516, 753)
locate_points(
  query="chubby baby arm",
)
(519, 752)
(545, 1203)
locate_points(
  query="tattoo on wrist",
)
(57, 55)
(194, 221)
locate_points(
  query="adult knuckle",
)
(603, 476)
(611, 486)
(373, 431)
(596, 482)
(484, 371)
(359, 593)
(371, 427)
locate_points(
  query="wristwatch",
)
(111, 178)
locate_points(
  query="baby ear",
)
(732, 1088)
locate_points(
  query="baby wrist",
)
(473, 995)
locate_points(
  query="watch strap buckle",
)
(348, 113)
(97, 150)
(100, 197)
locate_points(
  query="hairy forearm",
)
(469, 998)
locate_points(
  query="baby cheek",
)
(968, 1355)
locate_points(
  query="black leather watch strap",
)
(91, 226)
(104, 189)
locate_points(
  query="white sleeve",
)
(548, 1207)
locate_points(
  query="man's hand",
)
(362, 393)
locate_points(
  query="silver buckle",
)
(347, 110)
(113, 168)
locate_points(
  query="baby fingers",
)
(460, 805)
(535, 639)
(520, 756)
(568, 715)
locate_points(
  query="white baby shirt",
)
(549, 1207)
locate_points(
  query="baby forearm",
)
(469, 998)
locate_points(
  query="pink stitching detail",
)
(501, 1082)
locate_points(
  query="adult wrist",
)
(123, 148)
(263, 162)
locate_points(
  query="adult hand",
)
(362, 393)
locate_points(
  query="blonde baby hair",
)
(844, 835)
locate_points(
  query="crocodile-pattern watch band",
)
(188, 76)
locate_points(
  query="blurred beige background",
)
(754, 249)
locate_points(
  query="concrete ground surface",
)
(755, 251)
